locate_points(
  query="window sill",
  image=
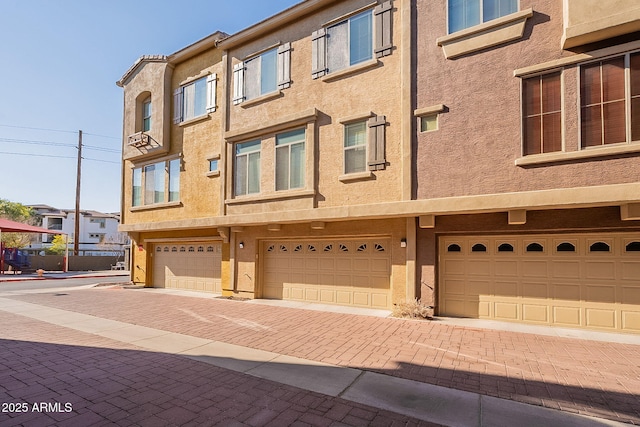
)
(261, 99)
(358, 176)
(213, 173)
(281, 195)
(194, 120)
(363, 66)
(155, 206)
(485, 35)
(585, 154)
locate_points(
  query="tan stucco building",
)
(364, 153)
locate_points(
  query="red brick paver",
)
(593, 378)
(106, 382)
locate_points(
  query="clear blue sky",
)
(59, 64)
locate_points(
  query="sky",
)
(59, 61)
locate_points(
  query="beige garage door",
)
(190, 266)
(345, 272)
(588, 280)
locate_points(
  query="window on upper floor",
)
(247, 168)
(364, 145)
(467, 13)
(290, 160)
(156, 183)
(101, 221)
(262, 74)
(351, 41)
(195, 99)
(146, 115)
(610, 101)
(542, 114)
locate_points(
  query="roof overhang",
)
(7, 226)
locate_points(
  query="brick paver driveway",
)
(593, 378)
(79, 379)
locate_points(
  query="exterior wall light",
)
(403, 243)
(241, 245)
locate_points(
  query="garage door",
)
(345, 272)
(588, 281)
(190, 266)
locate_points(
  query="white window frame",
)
(168, 179)
(381, 39)
(242, 74)
(349, 59)
(363, 144)
(254, 149)
(146, 115)
(287, 147)
(180, 100)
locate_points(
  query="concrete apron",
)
(415, 399)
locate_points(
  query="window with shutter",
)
(318, 53)
(377, 142)
(193, 100)
(212, 80)
(177, 105)
(262, 74)
(238, 83)
(284, 66)
(355, 147)
(352, 41)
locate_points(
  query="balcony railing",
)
(139, 139)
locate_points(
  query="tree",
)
(20, 213)
(58, 246)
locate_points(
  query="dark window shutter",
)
(238, 83)
(177, 105)
(318, 53)
(382, 16)
(377, 142)
(284, 66)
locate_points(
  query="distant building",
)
(98, 231)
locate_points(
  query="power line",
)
(57, 144)
(35, 128)
(57, 157)
(58, 130)
(36, 155)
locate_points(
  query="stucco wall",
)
(196, 140)
(374, 90)
(479, 136)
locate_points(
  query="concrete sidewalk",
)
(365, 359)
(415, 399)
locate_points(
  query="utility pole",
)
(76, 236)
